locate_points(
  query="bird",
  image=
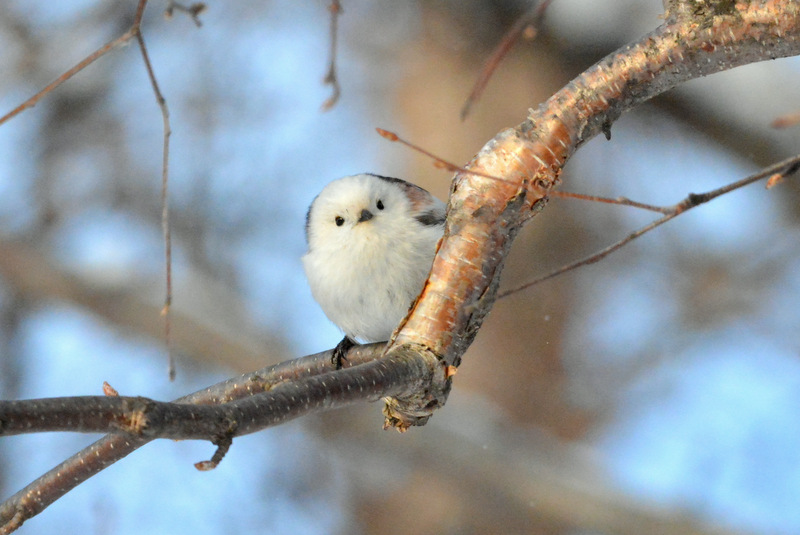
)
(371, 242)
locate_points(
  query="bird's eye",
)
(380, 204)
(339, 220)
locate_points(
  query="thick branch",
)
(267, 405)
(484, 215)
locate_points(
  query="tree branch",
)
(484, 215)
(132, 32)
(776, 173)
(266, 405)
(39, 494)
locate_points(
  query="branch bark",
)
(265, 404)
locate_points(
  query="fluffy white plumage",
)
(371, 241)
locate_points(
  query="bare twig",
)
(528, 25)
(438, 162)
(85, 62)
(134, 31)
(330, 79)
(162, 105)
(622, 201)
(441, 163)
(775, 172)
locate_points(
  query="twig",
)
(85, 62)
(527, 24)
(134, 31)
(622, 201)
(162, 105)
(330, 79)
(437, 161)
(441, 163)
(781, 169)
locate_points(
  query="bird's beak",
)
(366, 215)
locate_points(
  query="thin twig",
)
(622, 201)
(134, 31)
(162, 104)
(441, 163)
(330, 79)
(782, 169)
(527, 24)
(88, 60)
(438, 162)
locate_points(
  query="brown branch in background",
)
(776, 173)
(162, 105)
(330, 79)
(528, 25)
(193, 10)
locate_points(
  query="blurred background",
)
(654, 392)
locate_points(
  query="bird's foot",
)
(340, 351)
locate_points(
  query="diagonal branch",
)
(485, 215)
(85, 62)
(528, 23)
(775, 173)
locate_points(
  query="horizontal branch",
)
(272, 404)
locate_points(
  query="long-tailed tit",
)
(371, 241)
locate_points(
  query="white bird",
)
(371, 242)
